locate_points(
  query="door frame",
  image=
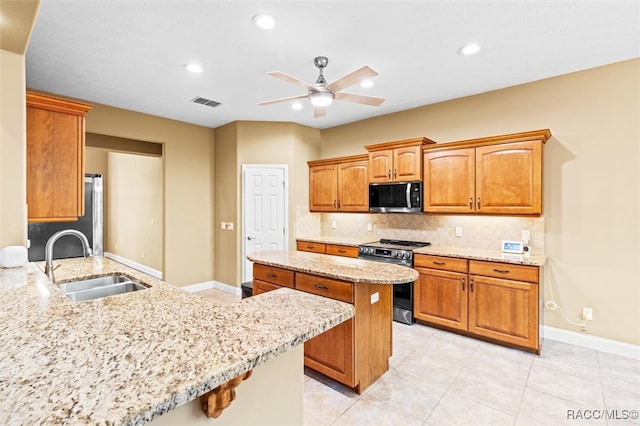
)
(245, 167)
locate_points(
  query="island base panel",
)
(272, 396)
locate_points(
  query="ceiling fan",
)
(322, 94)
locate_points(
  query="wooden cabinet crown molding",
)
(534, 135)
(400, 144)
(50, 103)
(338, 160)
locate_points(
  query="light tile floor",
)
(441, 378)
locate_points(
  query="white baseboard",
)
(207, 285)
(592, 342)
(135, 265)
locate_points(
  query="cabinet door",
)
(440, 297)
(55, 165)
(331, 353)
(260, 287)
(323, 184)
(406, 163)
(509, 178)
(380, 166)
(449, 181)
(504, 310)
(353, 186)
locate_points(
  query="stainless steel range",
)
(398, 252)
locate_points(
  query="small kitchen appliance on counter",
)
(398, 252)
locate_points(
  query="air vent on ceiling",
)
(204, 101)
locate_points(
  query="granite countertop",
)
(483, 254)
(341, 268)
(126, 359)
(343, 241)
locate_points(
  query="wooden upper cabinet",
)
(496, 175)
(449, 181)
(339, 184)
(323, 188)
(399, 161)
(509, 178)
(55, 158)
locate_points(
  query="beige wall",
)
(13, 150)
(592, 182)
(188, 188)
(134, 213)
(250, 142)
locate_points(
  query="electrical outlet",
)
(229, 226)
(369, 227)
(526, 236)
(223, 225)
(459, 231)
(334, 225)
(587, 314)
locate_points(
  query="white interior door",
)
(264, 211)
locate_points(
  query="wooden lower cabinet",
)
(482, 302)
(355, 353)
(332, 249)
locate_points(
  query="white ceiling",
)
(131, 54)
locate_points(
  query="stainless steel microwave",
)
(395, 197)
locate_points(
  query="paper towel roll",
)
(13, 256)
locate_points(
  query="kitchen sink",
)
(100, 287)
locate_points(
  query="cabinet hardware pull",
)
(271, 275)
(463, 284)
(471, 285)
(321, 286)
(470, 202)
(395, 173)
(438, 263)
(311, 247)
(478, 202)
(501, 271)
(389, 173)
(342, 251)
(338, 203)
(334, 204)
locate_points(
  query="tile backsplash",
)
(485, 232)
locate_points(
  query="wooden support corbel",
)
(216, 400)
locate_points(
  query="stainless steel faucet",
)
(48, 249)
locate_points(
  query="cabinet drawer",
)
(338, 250)
(273, 275)
(441, 262)
(326, 287)
(312, 247)
(260, 287)
(504, 270)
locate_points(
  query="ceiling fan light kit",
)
(322, 94)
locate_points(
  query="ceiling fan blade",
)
(288, 98)
(289, 79)
(319, 112)
(359, 99)
(352, 78)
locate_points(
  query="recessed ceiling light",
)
(296, 105)
(264, 21)
(366, 83)
(469, 49)
(194, 67)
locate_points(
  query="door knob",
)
(251, 238)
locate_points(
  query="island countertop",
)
(341, 268)
(127, 359)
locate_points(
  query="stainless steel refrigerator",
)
(90, 225)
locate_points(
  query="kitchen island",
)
(130, 358)
(355, 353)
